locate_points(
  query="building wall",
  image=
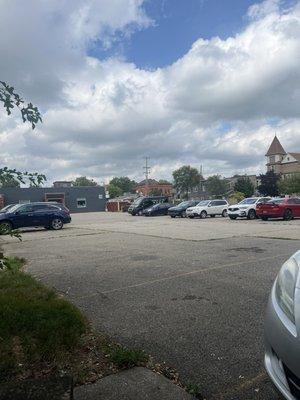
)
(92, 196)
(290, 168)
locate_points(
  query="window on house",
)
(272, 159)
(81, 203)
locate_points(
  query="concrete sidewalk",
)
(134, 384)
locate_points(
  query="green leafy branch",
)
(10, 99)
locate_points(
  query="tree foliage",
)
(11, 99)
(186, 178)
(114, 191)
(7, 181)
(236, 197)
(269, 184)
(216, 186)
(245, 186)
(84, 181)
(289, 185)
(124, 183)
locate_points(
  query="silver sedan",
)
(282, 330)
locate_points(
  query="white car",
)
(246, 208)
(209, 207)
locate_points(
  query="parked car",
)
(141, 203)
(180, 209)
(282, 327)
(286, 208)
(157, 209)
(48, 215)
(246, 208)
(211, 208)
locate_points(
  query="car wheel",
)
(251, 214)
(212, 216)
(56, 224)
(172, 216)
(232, 217)
(264, 218)
(203, 214)
(183, 214)
(288, 215)
(224, 214)
(5, 227)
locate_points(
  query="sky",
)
(199, 82)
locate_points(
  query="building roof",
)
(275, 148)
(296, 156)
(152, 182)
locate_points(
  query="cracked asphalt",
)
(192, 293)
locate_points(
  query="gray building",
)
(76, 198)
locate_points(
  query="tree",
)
(114, 191)
(269, 184)
(186, 178)
(8, 181)
(124, 183)
(216, 186)
(164, 181)
(236, 197)
(289, 185)
(245, 186)
(84, 181)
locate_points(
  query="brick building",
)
(151, 186)
(280, 161)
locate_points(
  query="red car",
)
(286, 208)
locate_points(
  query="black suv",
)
(141, 203)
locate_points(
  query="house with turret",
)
(280, 161)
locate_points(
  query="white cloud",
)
(215, 106)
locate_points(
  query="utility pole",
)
(146, 169)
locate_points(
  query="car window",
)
(25, 209)
(40, 207)
(293, 201)
(213, 203)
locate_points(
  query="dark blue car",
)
(48, 215)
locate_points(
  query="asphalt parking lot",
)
(191, 293)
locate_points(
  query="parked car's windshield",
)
(203, 203)
(7, 208)
(184, 203)
(138, 201)
(15, 207)
(248, 201)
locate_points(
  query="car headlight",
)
(285, 287)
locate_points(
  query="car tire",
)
(288, 215)
(5, 227)
(56, 224)
(172, 216)
(232, 217)
(224, 214)
(203, 214)
(212, 216)
(183, 214)
(264, 218)
(251, 214)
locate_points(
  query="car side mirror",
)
(209, 205)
